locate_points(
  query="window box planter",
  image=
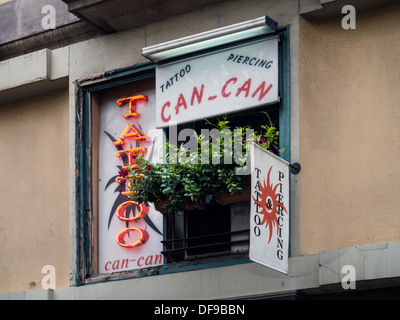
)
(162, 205)
(226, 198)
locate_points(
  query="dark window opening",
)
(208, 230)
(217, 230)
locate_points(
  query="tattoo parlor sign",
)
(130, 233)
(269, 213)
(215, 84)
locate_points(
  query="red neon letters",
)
(142, 239)
(132, 103)
(231, 88)
(123, 206)
(131, 131)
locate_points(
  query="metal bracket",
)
(295, 167)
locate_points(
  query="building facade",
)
(70, 71)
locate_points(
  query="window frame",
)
(85, 237)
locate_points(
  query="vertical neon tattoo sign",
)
(131, 131)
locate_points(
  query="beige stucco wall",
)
(350, 131)
(34, 191)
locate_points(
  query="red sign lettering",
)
(246, 90)
(131, 131)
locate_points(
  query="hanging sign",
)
(130, 233)
(215, 84)
(269, 213)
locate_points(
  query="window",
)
(219, 232)
(221, 228)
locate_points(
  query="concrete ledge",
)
(376, 265)
(32, 74)
(329, 9)
(371, 262)
(44, 294)
(25, 69)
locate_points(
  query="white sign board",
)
(269, 213)
(215, 84)
(113, 256)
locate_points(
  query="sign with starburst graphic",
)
(269, 215)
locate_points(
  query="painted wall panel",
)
(34, 191)
(349, 132)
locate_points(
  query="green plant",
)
(191, 178)
(269, 138)
(175, 184)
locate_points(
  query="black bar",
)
(205, 246)
(206, 236)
